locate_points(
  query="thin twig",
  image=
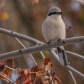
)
(42, 54)
(20, 42)
(25, 48)
(72, 77)
(75, 55)
(8, 67)
(18, 35)
(35, 72)
(80, 1)
(75, 71)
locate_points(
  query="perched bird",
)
(53, 29)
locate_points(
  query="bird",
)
(54, 29)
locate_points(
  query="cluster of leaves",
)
(41, 75)
(37, 75)
(5, 68)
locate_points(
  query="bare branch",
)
(8, 67)
(42, 54)
(75, 55)
(41, 47)
(75, 71)
(20, 42)
(27, 38)
(72, 77)
(25, 48)
(18, 35)
(80, 1)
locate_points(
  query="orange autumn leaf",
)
(10, 63)
(46, 60)
(3, 78)
(5, 73)
(47, 63)
(2, 62)
(48, 66)
(25, 72)
(4, 16)
(1, 68)
(34, 1)
(38, 74)
(36, 69)
(25, 77)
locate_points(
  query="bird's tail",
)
(62, 56)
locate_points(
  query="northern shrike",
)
(53, 28)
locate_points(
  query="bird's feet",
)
(59, 40)
(49, 42)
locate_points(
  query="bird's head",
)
(54, 11)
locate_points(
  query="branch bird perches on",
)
(41, 46)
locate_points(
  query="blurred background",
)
(26, 18)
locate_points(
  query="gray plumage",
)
(53, 29)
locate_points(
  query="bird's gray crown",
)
(54, 10)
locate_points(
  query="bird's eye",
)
(53, 13)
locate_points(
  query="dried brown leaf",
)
(5, 73)
(46, 60)
(34, 1)
(17, 70)
(10, 63)
(25, 77)
(2, 62)
(38, 74)
(18, 80)
(36, 69)
(46, 79)
(55, 78)
(1, 68)
(48, 66)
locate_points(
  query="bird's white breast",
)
(53, 29)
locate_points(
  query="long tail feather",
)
(62, 56)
